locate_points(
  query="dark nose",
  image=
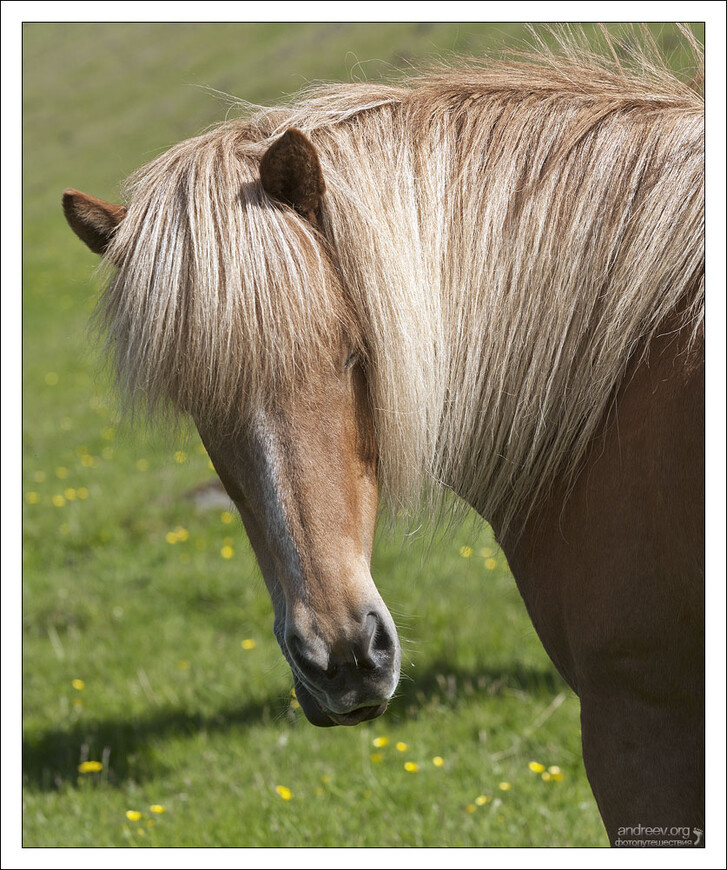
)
(371, 649)
(378, 643)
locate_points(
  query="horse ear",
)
(290, 172)
(92, 219)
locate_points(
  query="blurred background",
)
(157, 707)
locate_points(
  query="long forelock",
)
(220, 298)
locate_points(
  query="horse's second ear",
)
(291, 173)
(92, 219)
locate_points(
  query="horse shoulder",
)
(612, 574)
(615, 559)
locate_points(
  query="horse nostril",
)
(310, 657)
(376, 642)
(371, 623)
(371, 649)
(297, 648)
(292, 641)
(384, 640)
(365, 657)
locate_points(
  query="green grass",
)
(183, 716)
(176, 710)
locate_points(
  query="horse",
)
(485, 279)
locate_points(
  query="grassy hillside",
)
(147, 629)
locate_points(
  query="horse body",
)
(491, 281)
(611, 571)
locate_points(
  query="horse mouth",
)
(318, 715)
(359, 715)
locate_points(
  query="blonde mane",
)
(500, 238)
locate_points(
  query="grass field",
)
(147, 628)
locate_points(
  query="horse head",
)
(300, 465)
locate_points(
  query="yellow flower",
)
(554, 773)
(227, 552)
(285, 793)
(485, 552)
(61, 472)
(78, 684)
(536, 767)
(87, 460)
(376, 757)
(58, 500)
(546, 776)
(482, 799)
(171, 538)
(142, 464)
(180, 456)
(109, 434)
(402, 747)
(470, 808)
(181, 533)
(70, 493)
(183, 665)
(226, 517)
(133, 815)
(248, 643)
(379, 742)
(504, 786)
(319, 791)
(411, 766)
(90, 767)
(490, 564)
(32, 497)
(82, 492)
(438, 761)
(156, 808)
(466, 552)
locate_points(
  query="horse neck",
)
(500, 304)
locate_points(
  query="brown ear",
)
(92, 219)
(291, 173)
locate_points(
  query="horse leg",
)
(644, 759)
(612, 575)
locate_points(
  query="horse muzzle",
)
(347, 681)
